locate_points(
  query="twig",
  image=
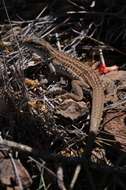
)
(96, 13)
(59, 158)
(75, 176)
(16, 172)
(60, 178)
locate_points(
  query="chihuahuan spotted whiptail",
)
(88, 75)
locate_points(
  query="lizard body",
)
(87, 74)
(77, 83)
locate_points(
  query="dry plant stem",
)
(16, 172)
(60, 179)
(88, 75)
(5, 144)
(75, 176)
(42, 165)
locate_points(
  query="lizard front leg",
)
(76, 92)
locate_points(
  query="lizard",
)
(87, 74)
(77, 85)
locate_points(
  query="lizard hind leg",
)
(76, 92)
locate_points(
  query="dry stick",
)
(20, 53)
(58, 177)
(31, 24)
(16, 172)
(54, 28)
(96, 13)
(115, 105)
(60, 181)
(108, 46)
(42, 179)
(5, 144)
(75, 176)
(42, 167)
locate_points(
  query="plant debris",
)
(45, 113)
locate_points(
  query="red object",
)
(103, 69)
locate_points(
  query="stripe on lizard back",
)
(86, 73)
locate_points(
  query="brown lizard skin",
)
(87, 74)
(77, 83)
